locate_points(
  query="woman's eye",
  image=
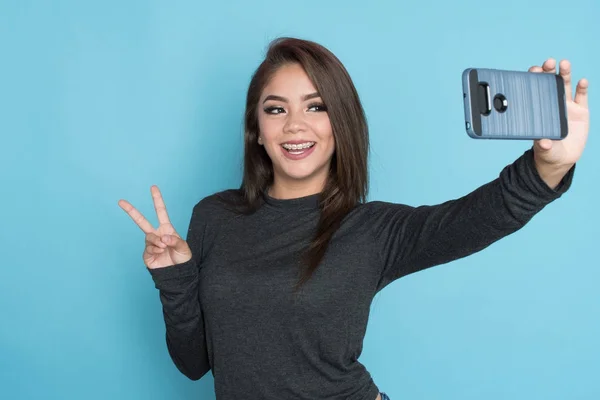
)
(274, 110)
(317, 107)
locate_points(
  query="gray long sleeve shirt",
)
(231, 308)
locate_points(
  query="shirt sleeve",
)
(410, 239)
(178, 287)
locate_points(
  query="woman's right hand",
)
(164, 247)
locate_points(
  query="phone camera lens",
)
(500, 103)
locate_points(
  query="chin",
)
(302, 174)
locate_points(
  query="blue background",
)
(100, 100)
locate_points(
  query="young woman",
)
(271, 290)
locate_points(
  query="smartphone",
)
(502, 104)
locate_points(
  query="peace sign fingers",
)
(136, 216)
(159, 206)
(164, 247)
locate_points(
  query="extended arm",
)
(410, 239)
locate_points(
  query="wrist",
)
(552, 174)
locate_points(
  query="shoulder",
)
(210, 213)
(218, 204)
(377, 217)
(373, 216)
(220, 199)
(380, 208)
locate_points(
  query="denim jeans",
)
(384, 396)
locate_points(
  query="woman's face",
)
(295, 130)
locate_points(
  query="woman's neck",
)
(294, 190)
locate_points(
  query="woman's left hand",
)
(554, 158)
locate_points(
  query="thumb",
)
(176, 243)
(544, 144)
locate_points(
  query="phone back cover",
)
(534, 108)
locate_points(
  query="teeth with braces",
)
(298, 146)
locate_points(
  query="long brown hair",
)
(347, 182)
